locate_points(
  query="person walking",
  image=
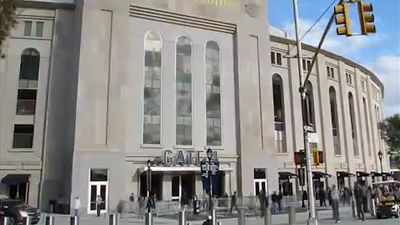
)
(322, 197)
(335, 203)
(77, 205)
(304, 199)
(329, 197)
(261, 197)
(280, 199)
(233, 202)
(99, 201)
(359, 195)
(131, 202)
(274, 199)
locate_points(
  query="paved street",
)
(324, 219)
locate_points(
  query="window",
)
(39, 29)
(213, 104)
(26, 102)
(27, 28)
(152, 89)
(306, 65)
(349, 78)
(278, 98)
(334, 121)
(272, 57)
(183, 91)
(363, 85)
(331, 72)
(367, 126)
(310, 117)
(29, 68)
(23, 136)
(353, 124)
(98, 175)
(276, 58)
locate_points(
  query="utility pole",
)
(310, 189)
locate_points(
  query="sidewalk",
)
(325, 218)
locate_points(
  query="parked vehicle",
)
(16, 210)
(388, 205)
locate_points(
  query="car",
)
(389, 203)
(16, 210)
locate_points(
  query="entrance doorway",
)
(260, 184)
(156, 185)
(183, 187)
(98, 189)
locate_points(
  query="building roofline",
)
(332, 55)
(45, 5)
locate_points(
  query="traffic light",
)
(366, 18)
(343, 18)
(300, 158)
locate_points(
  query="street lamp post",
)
(380, 156)
(209, 156)
(149, 164)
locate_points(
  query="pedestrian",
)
(329, 197)
(151, 202)
(304, 199)
(233, 202)
(359, 195)
(77, 205)
(99, 202)
(335, 203)
(261, 198)
(131, 202)
(280, 198)
(141, 203)
(275, 206)
(322, 196)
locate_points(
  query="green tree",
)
(391, 133)
(7, 19)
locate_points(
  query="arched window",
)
(152, 89)
(277, 87)
(367, 126)
(213, 104)
(334, 121)
(353, 124)
(29, 68)
(310, 105)
(183, 91)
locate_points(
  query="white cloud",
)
(387, 68)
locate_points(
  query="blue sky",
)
(378, 52)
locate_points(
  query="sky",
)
(379, 52)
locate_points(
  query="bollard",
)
(353, 209)
(267, 216)
(113, 219)
(26, 220)
(242, 217)
(219, 223)
(292, 215)
(74, 220)
(50, 220)
(373, 206)
(182, 217)
(148, 220)
(214, 217)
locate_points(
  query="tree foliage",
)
(7, 19)
(391, 133)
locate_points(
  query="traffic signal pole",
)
(302, 83)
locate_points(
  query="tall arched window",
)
(310, 105)
(277, 87)
(152, 89)
(353, 124)
(183, 91)
(334, 121)
(367, 126)
(29, 68)
(279, 114)
(213, 108)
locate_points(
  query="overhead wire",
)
(314, 24)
